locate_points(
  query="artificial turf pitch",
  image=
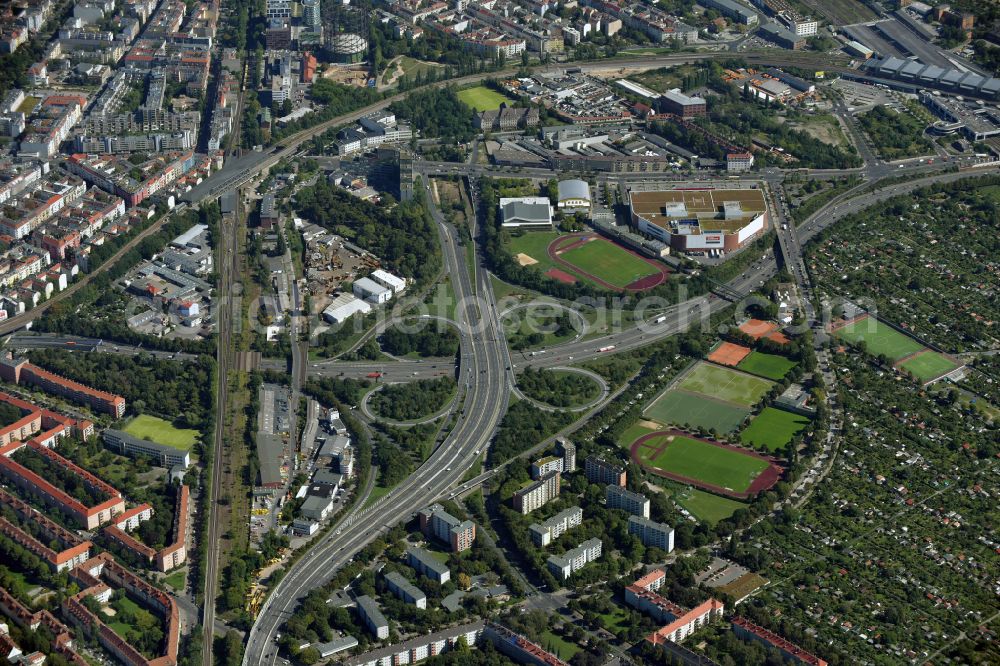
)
(725, 384)
(879, 338)
(928, 365)
(697, 411)
(770, 366)
(773, 428)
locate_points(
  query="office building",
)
(651, 533)
(537, 493)
(626, 500)
(161, 454)
(599, 470)
(565, 565)
(544, 533)
(436, 522)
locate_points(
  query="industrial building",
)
(371, 291)
(679, 104)
(932, 76)
(343, 307)
(703, 220)
(732, 10)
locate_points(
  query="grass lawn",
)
(770, 366)
(378, 492)
(520, 324)
(708, 507)
(161, 432)
(928, 366)
(773, 428)
(616, 621)
(482, 98)
(534, 244)
(176, 579)
(725, 384)
(559, 645)
(607, 261)
(634, 432)
(120, 628)
(683, 408)
(879, 338)
(706, 462)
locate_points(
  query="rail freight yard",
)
(700, 220)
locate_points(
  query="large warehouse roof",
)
(573, 189)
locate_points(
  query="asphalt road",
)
(488, 378)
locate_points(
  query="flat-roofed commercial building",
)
(704, 220)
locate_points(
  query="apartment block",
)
(419, 648)
(62, 639)
(372, 616)
(99, 577)
(72, 549)
(565, 565)
(436, 522)
(544, 533)
(626, 500)
(652, 533)
(599, 470)
(405, 590)
(426, 564)
(748, 631)
(17, 370)
(161, 454)
(519, 648)
(567, 450)
(642, 596)
(89, 517)
(545, 465)
(537, 494)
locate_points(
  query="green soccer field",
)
(161, 432)
(770, 366)
(725, 384)
(605, 260)
(879, 338)
(928, 366)
(482, 98)
(708, 507)
(773, 428)
(706, 462)
(697, 411)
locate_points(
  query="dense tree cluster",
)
(412, 400)
(559, 389)
(334, 390)
(9, 414)
(523, 426)
(895, 134)
(428, 341)
(403, 237)
(180, 392)
(437, 112)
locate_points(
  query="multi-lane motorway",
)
(485, 384)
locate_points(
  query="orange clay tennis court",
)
(757, 329)
(728, 354)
